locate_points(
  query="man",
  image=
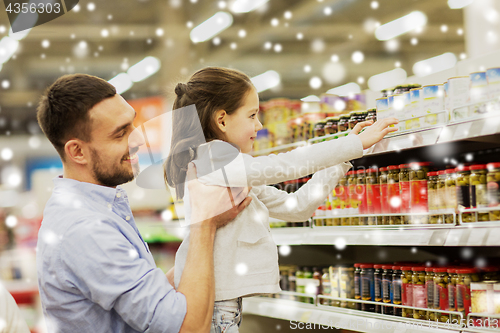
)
(95, 272)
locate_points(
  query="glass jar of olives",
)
(378, 287)
(452, 291)
(332, 125)
(441, 190)
(407, 290)
(357, 284)
(418, 187)
(397, 289)
(493, 186)
(343, 123)
(419, 294)
(429, 290)
(404, 187)
(478, 190)
(387, 297)
(433, 198)
(319, 129)
(367, 286)
(384, 202)
(356, 117)
(393, 191)
(463, 191)
(490, 273)
(451, 194)
(465, 277)
(441, 280)
(353, 197)
(346, 275)
(361, 195)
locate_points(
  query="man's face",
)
(112, 149)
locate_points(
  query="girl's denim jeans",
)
(227, 316)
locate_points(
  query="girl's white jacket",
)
(245, 255)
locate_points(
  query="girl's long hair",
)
(210, 90)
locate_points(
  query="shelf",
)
(455, 131)
(473, 234)
(354, 320)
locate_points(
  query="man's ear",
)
(221, 119)
(74, 150)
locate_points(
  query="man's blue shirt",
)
(95, 272)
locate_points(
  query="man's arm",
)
(197, 282)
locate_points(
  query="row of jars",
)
(407, 284)
(413, 188)
(334, 125)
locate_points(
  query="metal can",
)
(382, 107)
(458, 89)
(432, 99)
(493, 79)
(416, 107)
(493, 186)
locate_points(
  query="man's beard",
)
(113, 177)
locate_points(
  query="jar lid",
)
(416, 165)
(449, 171)
(461, 168)
(396, 267)
(387, 266)
(429, 269)
(352, 113)
(440, 270)
(359, 172)
(383, 169)
(344, 116)
(432, 174)
(406, 268)
(467, 271)
(404, 166)
(350, 173)
(452, 270)
(372, 170)
(418, 269)
(378, 266)
(478, 167)
(366, 266)
(492, 166)
(393, 167)
(372, 110)
(441, 172)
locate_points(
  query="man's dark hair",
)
(63, 111)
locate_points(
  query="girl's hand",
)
(374, 131)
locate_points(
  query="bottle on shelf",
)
(441, 281)
(493, 186)
(367, 278)
(397, 288)
(378, 297)
(478, 190)
(419, 293)
(387, 293)
(463, 192)
(429, 290)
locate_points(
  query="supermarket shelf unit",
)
(481, 131)
(337, 317)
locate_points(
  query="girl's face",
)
(241, 127)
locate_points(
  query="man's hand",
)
(374, 131)
(220, 204)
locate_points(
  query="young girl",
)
(245, 255)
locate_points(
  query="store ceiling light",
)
(8, 46)
(144, 69)
(387, 79)
(345, 90)
(401, 26)
(311, 98)
(211, 27)
(457, 4)
(245, 6)
(267, 80)
(122, 82)
(436, 64)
